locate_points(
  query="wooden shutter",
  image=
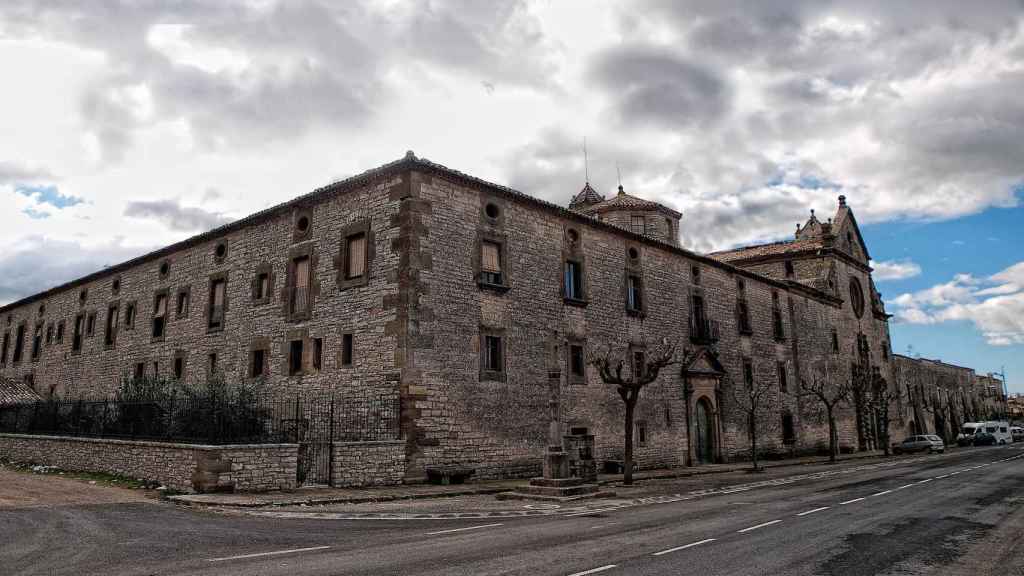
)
(302, 273)
(218, 294)
(356, 256)
(491, 257)
(161, 306)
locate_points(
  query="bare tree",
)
(882, 397)
(830, 389)
(754, 399)
(611, 365)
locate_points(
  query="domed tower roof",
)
(585, 198)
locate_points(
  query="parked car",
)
(1017, 433)
(924, 443)
(985, 439)
(1000, 430)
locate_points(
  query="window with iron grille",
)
(637, 224)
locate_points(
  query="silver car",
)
(925, 443)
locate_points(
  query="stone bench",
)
(445, 475)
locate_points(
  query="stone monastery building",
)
(475, 303)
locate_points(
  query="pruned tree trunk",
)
(753, 443)
(833, 437)
(627, 460)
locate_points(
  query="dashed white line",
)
(678, 548)
(925, 480)
(882, 493)
(261, 554)
(463, 529)
(851, 501)
(594, 570)
(941, 477)
(813, 511)
(758, 526)
(904, 486)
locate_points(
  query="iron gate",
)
(311, 426)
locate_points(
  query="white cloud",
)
(995, 305)
(895, 270)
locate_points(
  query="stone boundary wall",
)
(380, 463)
(182, 467)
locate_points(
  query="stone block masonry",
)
(368, 463)
(181, 467)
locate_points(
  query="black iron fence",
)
(253, 419)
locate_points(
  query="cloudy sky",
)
(127, 127)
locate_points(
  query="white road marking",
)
(813, 511)
(882, 493)
(851, 501)
(925, 480)
(590, 512)
(274, 553)
(941, 477)
(758, 526)
(678, 548)
(594, 570)
(904, 486)
(463, 529)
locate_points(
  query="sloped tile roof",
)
(586, 197)
(766, 250)
(14, 391)
(623, 201)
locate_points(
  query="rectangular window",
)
(636, 224)
(573, 281)
(216, 312)
(300, 286)
(355, 256)
(183, 303)
(835, 342)
(257, 363)
(748, 374)
(783, 381)
(129, 316)
(76, 336)
(159, 316)
(577, 363)
(60, 332)
(263, 286)
(490, 263)
(49, 334)
(179, 367)
(695, 274)
(788, 430)
(743, 317)
(493, 361)
(37, 342)
(346, 349)
(789, 269)
(90, 324)
(639, 364)
(19, 343)
(641, 433)
(318, 353)
(3, 348)
(140, 370)
(110, 336)
(777, 329)
(295, 357)
(634, 294)
(212, 363)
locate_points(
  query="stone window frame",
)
(268, 269)
(18, 352)
(214, 363)
(167, 314)
(643, 223)
(501, 240)
(307, 250)
(305, 361)
(81, 335)
(350, 334)
(224, 276)
(341, 263)
(164, 270)
(856, 297)
(259, 344)
(782, 374)
(298, 214)
(36, 351)
(49, 334)
(787, 415)
(571, 342)
(187, 292)
(83, 297)
(59, 337)
(131, 314)
(742, 309)
(486, 374)
(181, 355)
(695, 274)
(633, 350)
(486, 200)
(110, 335)
(115, 286)
(572, 251)
(834, 345)
(90, 323)
(634, 269)
(749, 377)
(218, 259)
(641, 432)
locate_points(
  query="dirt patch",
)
(22, 489)
(922, 541)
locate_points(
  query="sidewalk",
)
(316, 496)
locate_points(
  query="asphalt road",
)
(957, 514)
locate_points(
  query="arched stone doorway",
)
(704, 432)
(701, 389)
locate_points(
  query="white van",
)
(999, 430)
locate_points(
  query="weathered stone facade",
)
(476, 305)
(182, 467)
(379, 463)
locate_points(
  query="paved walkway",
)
(647, 485)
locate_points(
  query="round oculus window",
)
(221, 250)
(302, 224)
(856, 297)
(633, 254)
(492, 211)
(165, 268)
(573, 235)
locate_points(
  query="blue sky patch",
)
(48, 195)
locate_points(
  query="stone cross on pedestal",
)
(556, 462)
